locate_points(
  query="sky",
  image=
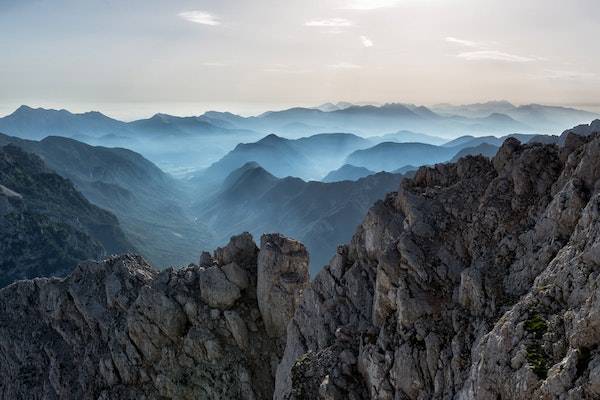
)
(131, 58)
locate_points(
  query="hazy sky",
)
(130, 57)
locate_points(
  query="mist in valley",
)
(179, 185)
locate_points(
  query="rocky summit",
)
(475, 280)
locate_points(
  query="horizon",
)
(180, 56)
(123, 111)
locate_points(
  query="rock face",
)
(282, 277)
(476, 280)
(119, 329)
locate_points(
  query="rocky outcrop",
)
(282, 277)
(476, 280)
(119, 329)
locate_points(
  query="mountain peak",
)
(272, 138)
(22, 109)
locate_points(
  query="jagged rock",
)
(241, 249)
(236, 274)
(238, 329)
(216, 290)
(476, 280)
(282, 276)
(119, 329)
(206, 259)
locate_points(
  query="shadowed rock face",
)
(120, 329)
(477, 280)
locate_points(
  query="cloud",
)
(286, 71)
(330, 23)
(366, 41)
(344, 65)
(462, 42)
(494, 55)
(370, 4)
(567, 75)
(213, 64)
(200, 17)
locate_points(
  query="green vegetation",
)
(538, 360)
(536, 356)
(536, 325)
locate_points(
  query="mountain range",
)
(315, 157)
(308, 157)
(184, 144)
(321, 214)
(150, 205)
(546, 119)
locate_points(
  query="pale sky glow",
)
(493, 55)
(366, 41)
(370, 4)
(200, 17)
(297, 52)
(331, 22)
(462, 42)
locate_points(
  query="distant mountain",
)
(472, 141)
(408, 137)
(38, 123)
(475, 110)
(389, 156)
(550, 119)
(274, 152)
(372, 120)
(320, 214)
(347, 172)
(149, 204)
(407, 170)
(327, 107)
(484, 149)
(30, 123)
(501, 122)
(46, 226)
(177, 144)
(164, 126)
(308, 157)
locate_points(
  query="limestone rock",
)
(476, 280)
(282, 276)
(216, 290)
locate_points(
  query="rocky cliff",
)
(476, 280)
(120, 329)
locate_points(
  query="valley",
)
(315, 188)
